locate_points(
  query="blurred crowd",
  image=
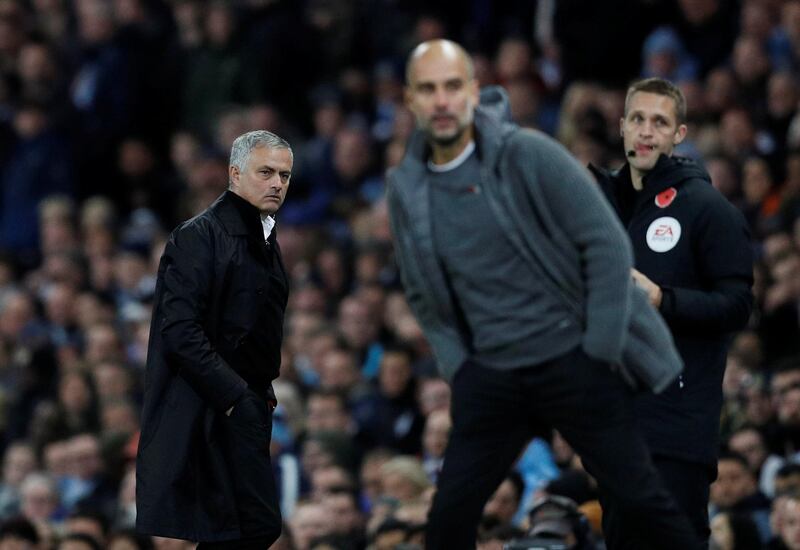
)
(116, 119)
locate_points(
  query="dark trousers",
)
(247, 434)
(496, 412)
(688, 483)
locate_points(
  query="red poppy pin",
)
(666, 197)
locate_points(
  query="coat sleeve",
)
(444, 340)
(578, 209)
(187, 283)
(399, 224)
(722, 250)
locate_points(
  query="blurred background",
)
(116, 120)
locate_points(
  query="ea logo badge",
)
(663, 234)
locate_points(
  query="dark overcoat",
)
(695, 245)
(209, 293)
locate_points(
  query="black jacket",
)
(688, 239)
(216, 331)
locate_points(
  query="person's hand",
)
(652, 289)
(229, 411)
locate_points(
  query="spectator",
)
(17, 533)
(390, 418)
(27, 179)
(85, 521)
(403, 479)
(327, 411)
(736, 491)
(19, 460)
(102, 90)
(310, 520)
(750, 443)
(734, 532)
(789, 525)
(504, 503)
(434, 442)
(40, 500)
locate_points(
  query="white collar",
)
(456, 162)
(267, 222)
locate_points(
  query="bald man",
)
(519, 275)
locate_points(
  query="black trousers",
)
(247, 433)
(687, 482)
(496, 412)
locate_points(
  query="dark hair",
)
(19, 527)
(339, 542)
(573, 484)
(735, 457)
(391, 524)
(661, 87)
(80, 537)
(787, 364)
(400, 348)
(500, 532)
(788, 469)
(87, 512)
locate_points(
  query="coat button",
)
(260, 290)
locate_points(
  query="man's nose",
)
(440, 97)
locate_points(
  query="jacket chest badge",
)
(663, 234)
(666, 197)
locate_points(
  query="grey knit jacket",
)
(550, 209)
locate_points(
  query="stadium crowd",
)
(116, 119)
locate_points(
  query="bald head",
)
(439, 49)
(442, 92)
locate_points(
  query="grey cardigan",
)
(552, 212)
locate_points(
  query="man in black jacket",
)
(692, 256)
(203, 469)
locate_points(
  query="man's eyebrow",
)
(270, 167)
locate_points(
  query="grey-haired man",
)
(203, 470)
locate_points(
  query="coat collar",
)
(669, 171)
(238, 216)
(489, 134)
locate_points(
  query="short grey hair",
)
(244, 144)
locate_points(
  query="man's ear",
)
(233, 175)
(408, 96)
(475, 91)
(680, 134)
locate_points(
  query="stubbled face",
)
(442, 95)
(650, 128)
(265, 178)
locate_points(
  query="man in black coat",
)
(693, 257)
(203, 469)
